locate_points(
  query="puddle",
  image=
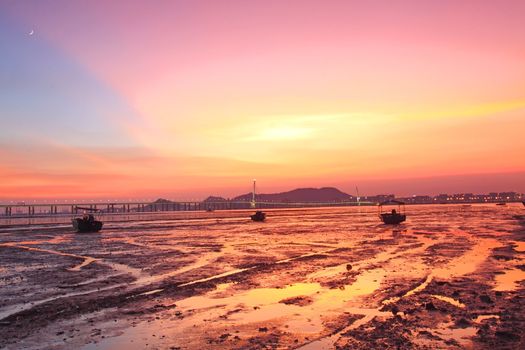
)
(262, 306)
(449, 300)
(382, 256)
(418, 289)
(482, 318)
(236, 271)
(508, 281)
(459, 266)
(462, 335)
(446, 332)
(214, 277)
(519, 246)
(155, 291)
(469, 261)
(87, 261)
(328, 342)
(342, 268)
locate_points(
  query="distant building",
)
(379, 198)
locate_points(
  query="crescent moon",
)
(31, 32)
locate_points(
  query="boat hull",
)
(259, 216)
(81, 225)
(393, 219)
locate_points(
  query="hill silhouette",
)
(324, 194)
(215, 199)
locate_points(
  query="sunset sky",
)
(182, 99)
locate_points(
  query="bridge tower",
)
(252, 203)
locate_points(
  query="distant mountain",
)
(324, 194)
(215, 199)
(159, 204)
(162, 200)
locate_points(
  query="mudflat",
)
(449, 277)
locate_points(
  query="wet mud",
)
(331, 278)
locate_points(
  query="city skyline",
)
(130, 99)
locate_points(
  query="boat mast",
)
(253, 195)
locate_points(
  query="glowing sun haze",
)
(182, 99)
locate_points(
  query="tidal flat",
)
(451, 276)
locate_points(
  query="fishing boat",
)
(87, 223)
(393, 217)
(258, 216)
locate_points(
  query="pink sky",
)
(183, 99)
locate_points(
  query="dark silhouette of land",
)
(324, 194)
(332, 194)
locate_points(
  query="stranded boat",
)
(258, 216)
(394, 217)
(87, 222)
